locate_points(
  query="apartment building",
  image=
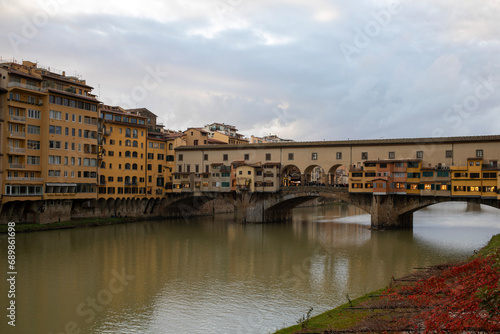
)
(49, 135)
(157, 169)
(122, 153)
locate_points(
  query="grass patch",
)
(83, 222)
(338, 318)
(491, 247)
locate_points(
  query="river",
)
(211, 275)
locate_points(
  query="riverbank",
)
(464, 296)
(75, 223)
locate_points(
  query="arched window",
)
(170, 146)
(127, 180)
(127, 166)
(134, 133)
(134, 143)
(127, 132)
(134, 154)
(134, 166)
(127, 142)
(134, 180)
(103, 164)
(127, 154)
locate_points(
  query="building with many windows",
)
(49, 137)
(122, 153)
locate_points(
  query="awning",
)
(60, 184)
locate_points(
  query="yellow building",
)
(49, 137)
(196, 136)
(172, 141)
(476, 179)
(157, 170)
(122, 170)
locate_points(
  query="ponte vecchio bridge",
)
(388, 178)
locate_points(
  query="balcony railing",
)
(18, 118)
(17, 149)
(25, 86)
(90, 121)
(18, 134)
(12, 178)
(16, 165)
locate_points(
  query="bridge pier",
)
(385, 214)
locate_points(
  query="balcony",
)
(16, 166)
(12, 178)
(16, 118)
(25, 86)
(20, 150)
(17, 134)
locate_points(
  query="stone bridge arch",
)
(291, 176)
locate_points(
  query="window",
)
(246, 156)
(160, 156)
(427, 174)
(55, 144)
(33, 129)
(134, 143)
(339, 155)
(54, 173)
(205, 156)
(54, 160)
(32, 160)
(479, 153)
(127, 132)
(314, 156)
(55, 114)
(225, 157)
(160, 168)
(127, 166)
(290, 156)
(151, 156)
(364, 155)
(73, 132)
(127, 154)
(420, 154)
(150, 167)
(35, 114)
(449, 154)
(55, 129)
(268, 156)
(392, 155)
(181, 157)
(33, 145)
(195, 142)
(134, 166)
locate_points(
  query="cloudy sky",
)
(305, 70)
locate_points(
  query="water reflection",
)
(214, 276)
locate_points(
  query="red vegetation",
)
(461, 298)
